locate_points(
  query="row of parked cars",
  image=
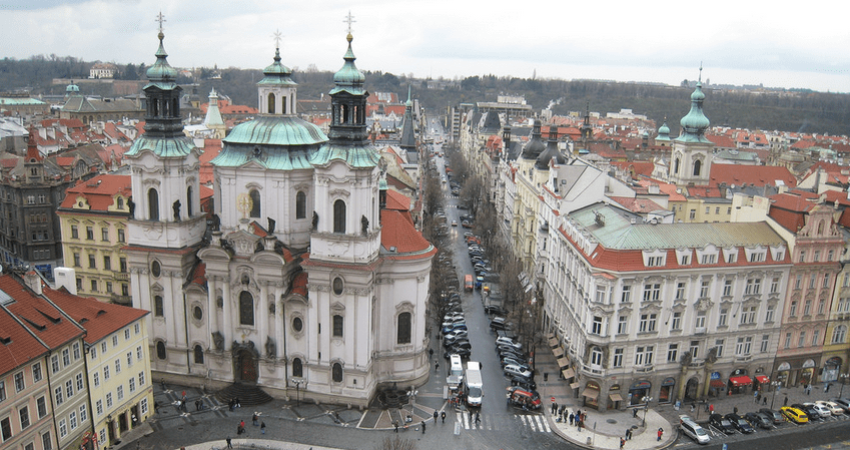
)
(454, 329)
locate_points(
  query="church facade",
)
(312, 277)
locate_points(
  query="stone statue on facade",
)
(218, 341)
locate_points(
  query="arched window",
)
(595, 356)
(246, 308)
(189, 201)
(158, 308)
(271, 103)
(337, 373)
(153, 204)
(839, 334)
(255, 203)
(697, 167)
(676, 167)
(300, 205)
(339, 216)
(120, 202)
(403, 336)
(297, 368)
(820, 228)
(160, 350)
(343, 114)
(337, 328)
(175, 108)
(199, 355)
(283, 105)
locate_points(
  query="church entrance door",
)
(247, 367)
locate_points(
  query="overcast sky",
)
(739, 42)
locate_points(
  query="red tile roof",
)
(758, 175)
(98, 318)
(637, 168)
(17, 345)
(721, 140)
(42, 319)
(790, 209)
(397, 230)
(299, 284)
(397, 201)
(98, 191)
(637, 205)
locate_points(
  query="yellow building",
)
(836, 348)
(93, 220)
(119, 371)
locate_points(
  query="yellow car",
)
(794, 414)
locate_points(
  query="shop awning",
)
(553, 342)
(569, 373)
(762, 379)
(590, 393)
(717, 384)
(574, 385)
(742, 380)
(615, 397)
(558, 352)
(563, 362)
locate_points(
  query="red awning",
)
(762, 379)
(717, 384)
(742, 380)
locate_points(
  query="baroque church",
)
(313, 276)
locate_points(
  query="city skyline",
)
(662, 42)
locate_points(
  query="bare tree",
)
(397, 443)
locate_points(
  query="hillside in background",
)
(765, 109)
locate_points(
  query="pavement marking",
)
(545, 424)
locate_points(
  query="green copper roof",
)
(72, 88)
(20, 101)
(269, 158)
(695, 123)
(277, 73)
(161, 73)
(356, 156)
(349, 78)
(276, 130)
(174, 147)
(663, 133)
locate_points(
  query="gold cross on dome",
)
(349, 19)
(277, 38)
(160, 18)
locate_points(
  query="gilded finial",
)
(160, 18)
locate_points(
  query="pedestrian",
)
(197, 402)
(785, 403)
(634, 413)
(395, 424)
(735, 410)
(571, 419)
(435, 416)
(826, 387)
(242, 424)
(162, 384)
(756, 396)
(660, 433)
(443, 416)
(238, 403)
(263, 427)
(629, 434)
(477, 417)
(423, 427)
(229, 445)
(431, 352)
(554, 407)
(436, 366)
(622, 443)
(255, 419)
(711, 408)
(764, 400)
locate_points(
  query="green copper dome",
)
(277, 73)
(664, 129)
(72, 88)
(161, 71)
(694, 124)
(276, 130)
(349, 78)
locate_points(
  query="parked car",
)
(739, 423)
(496, 310)
(509, 346)
(526, 383)
(454, 334)
(511, 369)
(498, 323)
(822, 410)
(694, 431)
(773, 415)
(513, 361)
(511, 354)
(721, 424)
(843, 402)
(461, 343)
(454, 223)
(506, 333)
(811, 412)
(525, 399)
(794, 415)
(759, 420)
(507, 341)
(455, 326)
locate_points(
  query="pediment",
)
(243, 242)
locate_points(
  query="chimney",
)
(33, 281)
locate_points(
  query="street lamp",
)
(776, 384)
(843, 377)
(298, 383)
(646, 401)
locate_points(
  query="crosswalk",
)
(534, 422)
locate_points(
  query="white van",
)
(474, 384)
(455, 377)
(695, 432)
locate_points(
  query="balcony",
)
(121, 276)
(125, 300)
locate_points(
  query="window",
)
(337, 372)
(651, 292)
(403, 334)
(337, 325)
(337, 286)
(46, 442)
(104, 234)
(825, 280)
(121, 235)
(618, 357)
(144, 405)
(693, 214)
(765, 343)
(297, 368)
(107, 263)
(90, 233)
(721, 321)
(96, 379)
(743, 346)
(774, 285)
(801, 339)
(627, 294)
(94, 285)
(24, 415)
(73, 420)
(132, 384)
(673, 353)
(596, 356)
(694, 349)
(596, 328)
(129, 359)
(686, 259)
(158, 308)
(115, 340)
(75, 233)
(802, 256)
(63, 428)
(76, 350)
(807, 307)
(77, 262)
(798, 282)
(700, 322)
(643, 355)
(141, 379)
(787, 340)
(757, 256)
(105, 372)
(54, 363)
(815, 338)
(41, 406)
(137, 329)
(99, 407)
(727, 288)
(190, 197)
(297, 324)
(768, 316)
(793, 310)
(839, 334)
(622, 325)
(108, 400)
(246, 308)
(6, 429)
(753, 286)
(680, 291)
(69, 388)
(709, 259)
(255, 203)
(153, 204)
(813, 281)
(58, 396)
(122, 265)
(830, 256)
(109, 287)
(732, 257)
(748, 315)
(654, 261)
(84, 413)
(139, 353)
(20, 384)
(117, 366)
(677, 321)
(199, 354)
(103, 347)
(703, 289)
(160, 350)
(339, 216)
(300, 205)
(601, 294)
(66, 357)
(707, 208)
(79, 381)
(647, 323)
(120, 393)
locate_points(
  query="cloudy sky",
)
(747, 42)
